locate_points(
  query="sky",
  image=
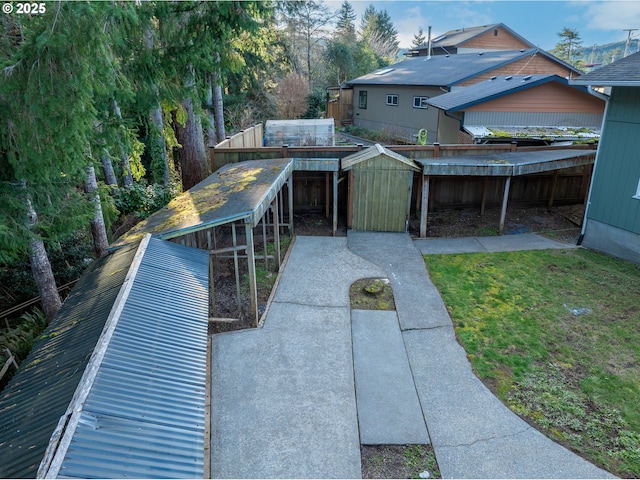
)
(597, 22)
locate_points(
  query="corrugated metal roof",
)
(621, 73)
(234, 192)
(124, 366)
(368, 153)
(37, 397)
(507, 163)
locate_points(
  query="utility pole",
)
(628, 44)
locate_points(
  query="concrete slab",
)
(503, 243)
(473, 434)
(431, 246)
(283, 400)
(388, 407)
(318, 270)
(418, 303)
(525, 241)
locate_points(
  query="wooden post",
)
(485, 186)
(235, 264)
(276, 230)
(213, 311)
(424, 207)
(263, 220)
(335, 203)
(350, 201)
(327, 194)
(251, 264)
(285, 151)
(290, 195)
(552, 194)
(503, 212)
(436, 149)
(514, 146)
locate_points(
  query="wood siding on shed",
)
(381, 195)
(618, 164)
(537, 64)
(550, 97)
(488, 41)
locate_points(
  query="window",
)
(637, 195)
(363, 99)
(495, 33)
(420, 102)
(392, 100)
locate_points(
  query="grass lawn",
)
(556, 335)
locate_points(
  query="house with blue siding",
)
(612, 217)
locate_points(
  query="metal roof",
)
(507, 164)
(236, 191)
(350, 161)
(493, 88)
(447, 70)
(621, 73)
(124, 365)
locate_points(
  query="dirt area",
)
(398, 461)
(372, 294)
(561, 223)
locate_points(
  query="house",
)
(116, 385)
(530, 109)
(496, 36)
(395, 99)
(612, 217)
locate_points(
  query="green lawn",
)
(576, 376)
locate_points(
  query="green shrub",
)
(143, 200)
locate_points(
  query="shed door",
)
(381, 199)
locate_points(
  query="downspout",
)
(595, 165)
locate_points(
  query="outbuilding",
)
(380, 183)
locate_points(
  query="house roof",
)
(235, 192)
(562, 133)
(456, 38)
(491, 89)
(350, 161)
(115, 387)
(623, 72)
(446, 70)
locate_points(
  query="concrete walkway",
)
(296, 398)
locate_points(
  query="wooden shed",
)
(380, 184)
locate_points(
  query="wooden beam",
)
(235, 264)
(505, 197)
(276, 230)
(485, 186)
(424, 206)
(327, 193)
(290, 195)
(552, 193)
(335, 203)
(251, 261)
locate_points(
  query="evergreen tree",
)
(568, 48)
(418, 38)
(345, 24)
(377, 30)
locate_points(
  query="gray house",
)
(612, 219)
(395, 99)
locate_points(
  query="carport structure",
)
(506, 165)
(242, 193)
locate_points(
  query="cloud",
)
(613, 16)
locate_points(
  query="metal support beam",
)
(251, 264)
(505, 197)
(424, 206)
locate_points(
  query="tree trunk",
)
(127, 178)
(98, 228)
(109, 174)
(218, 108)
(211, 130)
(158, 133)
(41, 270)
(194, 160)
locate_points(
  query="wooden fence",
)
(249, 138)
(310, 193)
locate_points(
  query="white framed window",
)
(392, 100)
(637, 195)
(420, 102)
